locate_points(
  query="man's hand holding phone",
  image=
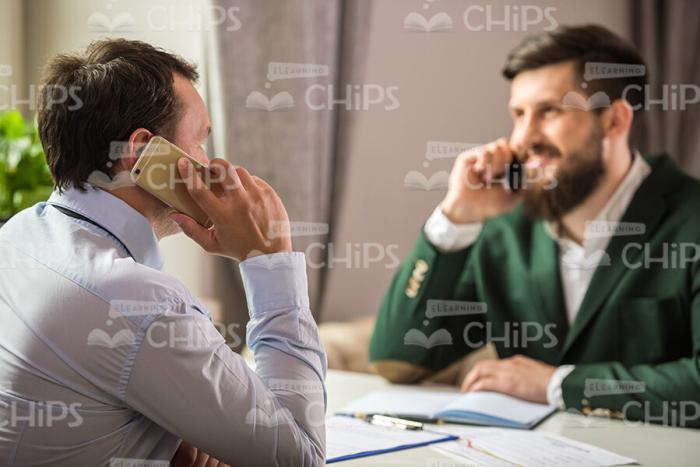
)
(476, 190)
(242, 207)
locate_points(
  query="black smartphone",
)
(515, 177)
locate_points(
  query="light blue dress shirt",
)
(107, 360)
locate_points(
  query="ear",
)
(132, 150)
(617, 120)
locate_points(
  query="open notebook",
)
(478, 408)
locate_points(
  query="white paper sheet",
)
(529, 448)
(473, 456)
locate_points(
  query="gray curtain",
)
(668, 34)
(270, 126)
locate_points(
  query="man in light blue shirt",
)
(104, 358)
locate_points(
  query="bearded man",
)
(585, 279)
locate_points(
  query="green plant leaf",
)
(12, 124)
(25, 178)
(5, 193)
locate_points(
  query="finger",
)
(502, 156)
(466, 159)
(469, 157)
(197, 189)
(517, 152)
(465, 172)
(262, 184)
(480, 161)
(185, 456)
(486, 164)
(246, 179)
(212, 462)
(226, 174)
(487, 383)
(480, 370)
(203, 236)
(472, 377)
(202, 459)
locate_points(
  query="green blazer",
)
(639, 321)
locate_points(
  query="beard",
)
(576, 177)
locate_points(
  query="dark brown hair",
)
(583, 45)
(89, 102)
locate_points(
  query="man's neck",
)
(148, 206)
(573, 224)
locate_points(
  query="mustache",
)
(538, 149)
(541, 149)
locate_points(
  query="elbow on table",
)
(308, 451)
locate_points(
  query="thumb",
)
(195, 231)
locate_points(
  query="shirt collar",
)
(116, 216)
(614, 209)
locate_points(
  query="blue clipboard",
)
(400, 447)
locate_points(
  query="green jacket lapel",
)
(647, 207)
(547, 281)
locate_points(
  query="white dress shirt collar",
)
(121, 220)
(613, 210)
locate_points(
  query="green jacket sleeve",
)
(408, 345)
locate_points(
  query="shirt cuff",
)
(554, 393)
(275, 281)
(447, 236)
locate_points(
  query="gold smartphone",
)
(156, 172)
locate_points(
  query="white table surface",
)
(651, 445)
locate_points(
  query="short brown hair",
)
(582, 44)
(92, 100)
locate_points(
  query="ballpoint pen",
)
(409, 420)
(394, 422)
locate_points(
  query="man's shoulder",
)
(667, 171)
(136, 289)
(78, 253)
(680, 190)
(137, 280)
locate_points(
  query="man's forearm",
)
(401, 349)
(288, 353)
(666, 393)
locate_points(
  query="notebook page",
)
(500, 405)
(419, 402)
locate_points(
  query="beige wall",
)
(450, 89)
(12, 63)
